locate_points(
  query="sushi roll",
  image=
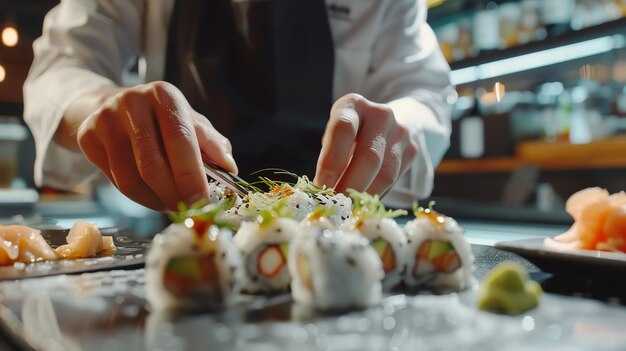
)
(339, 204)
(298, 202)
(264, 245)
(438, 255)
(334, 270)
(193, 263)
(377, 224)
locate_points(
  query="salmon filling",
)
(436, 256)
(189, 276)
(387, 256)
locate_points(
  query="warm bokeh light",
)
(3, 74)
(598, 72)
(10, 36)
(499, 89)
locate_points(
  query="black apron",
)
(261, 71)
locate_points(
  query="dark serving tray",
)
(130, 254)
(591, 262)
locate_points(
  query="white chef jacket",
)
(384, 50)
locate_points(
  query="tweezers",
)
(225, 178)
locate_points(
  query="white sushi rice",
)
(341, 205)
(216, 191)
(250, 239)
(386, 229)
(300, 204)
(422, 229)
(178, 241)
(345, 270)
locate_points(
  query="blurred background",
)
(541, 104)
(540, 111)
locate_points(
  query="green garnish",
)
(259, 200)
(302, 183)
(205, 211)
(366, 206)
(279, 209)
(418, 209)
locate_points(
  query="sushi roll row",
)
(331, 251)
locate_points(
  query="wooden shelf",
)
(574, 36)
(607, 153)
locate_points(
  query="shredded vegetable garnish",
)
(301, 182)
(206, 212)
(259, 200)
(267, 216)
(366, 206)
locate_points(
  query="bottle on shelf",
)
(486, 27)
(509, 24)
(556, 15)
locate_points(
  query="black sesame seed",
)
(297, 205)
(408, 241)
(351, 261)
(278, 230)
(334, 201)
(223, 255)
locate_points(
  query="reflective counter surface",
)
(107, 311)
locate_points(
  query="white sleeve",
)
(409, 73)
(85, 47)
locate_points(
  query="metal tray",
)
(130, 254)
(107, 311)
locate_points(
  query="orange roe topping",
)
(434, 216)
(281, 190)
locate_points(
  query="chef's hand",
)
(148, 141)
(363, 147)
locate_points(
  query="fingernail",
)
(233, 165)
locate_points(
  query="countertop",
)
(107, 311)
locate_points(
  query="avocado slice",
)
(184, 266)
(380, 245)
(438, 248)
(305, 272)
(284, 249)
